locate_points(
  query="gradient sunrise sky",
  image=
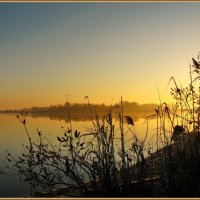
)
(102, 50)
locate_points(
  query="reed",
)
(103, 163)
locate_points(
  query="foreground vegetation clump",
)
(103, 163)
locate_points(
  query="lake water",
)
(13, 136)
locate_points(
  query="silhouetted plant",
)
(103, 163)
(92, 164)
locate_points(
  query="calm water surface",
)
(13, 136)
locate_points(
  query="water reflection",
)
(13, 136)
(84, 116)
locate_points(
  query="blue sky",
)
(102, 50)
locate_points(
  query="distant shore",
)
(82, 112)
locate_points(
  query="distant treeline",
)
(82, 107)
(82, 111)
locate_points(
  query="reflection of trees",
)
(83, 116)
(81, 111)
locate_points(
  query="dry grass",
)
(98, 164)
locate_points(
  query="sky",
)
(101, 50)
